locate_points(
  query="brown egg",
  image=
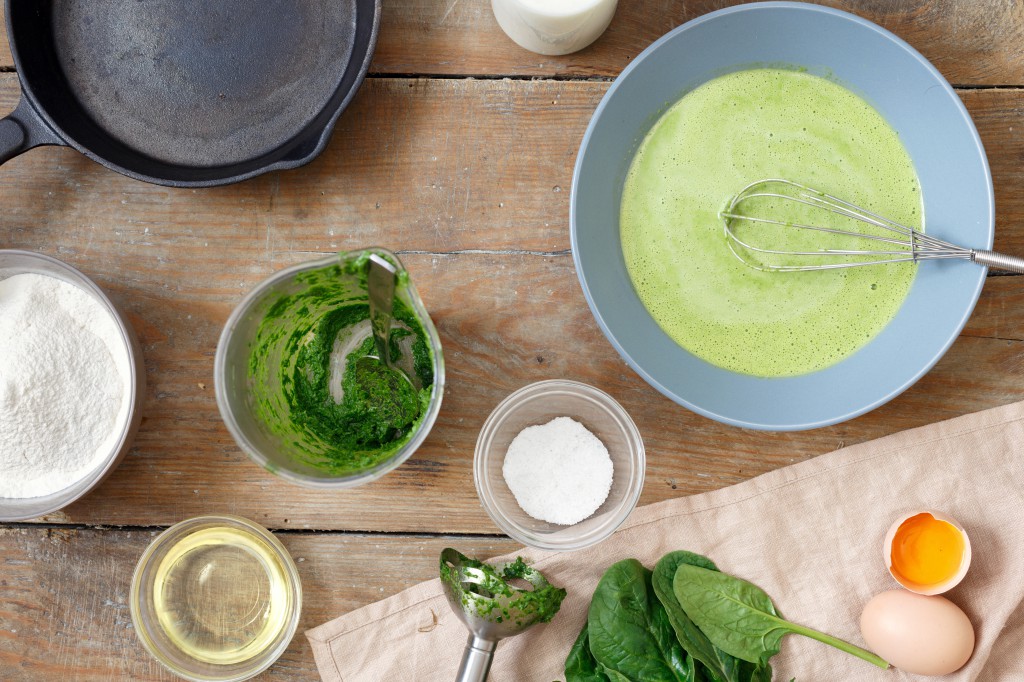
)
(917, 633)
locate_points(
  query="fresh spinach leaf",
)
(629, 631)
(756, 672)
(682, 664)
(740, 619)
(719, 666)
(581, 666)
(616, 676)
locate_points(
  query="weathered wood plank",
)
(435, 168)
(971, 43)
(1000, 123)
(185, 463)
(179, 260)
(64, 611)
(421, 165)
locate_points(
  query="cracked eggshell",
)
(937, 588)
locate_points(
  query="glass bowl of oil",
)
(216, 598)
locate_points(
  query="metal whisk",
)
(892, 242)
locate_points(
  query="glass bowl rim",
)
(540, 389)
(137, 388)
(182, 529)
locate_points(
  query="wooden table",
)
(457, 153)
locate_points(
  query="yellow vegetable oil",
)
(222, 595)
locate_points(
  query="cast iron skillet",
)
(186, 93)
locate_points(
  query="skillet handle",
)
(12, 139)
(22, 130)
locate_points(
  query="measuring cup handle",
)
(22, 130)
(476, 660)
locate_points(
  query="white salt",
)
(559, 472)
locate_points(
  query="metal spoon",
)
(486, 604)
(380, 285)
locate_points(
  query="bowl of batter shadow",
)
(934, 128)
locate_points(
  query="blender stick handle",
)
(476, 660)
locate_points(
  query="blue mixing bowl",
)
(937, 132)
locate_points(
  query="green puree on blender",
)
(309, 388)
(541, 603)
(725, 134)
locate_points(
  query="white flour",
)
(64, 384)
(558, 472)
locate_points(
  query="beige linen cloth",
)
(810, 535)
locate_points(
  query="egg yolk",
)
(927, 551)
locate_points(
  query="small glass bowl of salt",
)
(559, 465)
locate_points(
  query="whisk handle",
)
(998, 260)
(476, 660)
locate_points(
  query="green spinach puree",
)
(309, 389)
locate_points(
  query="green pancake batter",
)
(308, 388)
(729, 132)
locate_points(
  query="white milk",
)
(554, 27)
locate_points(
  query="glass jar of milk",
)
(554, 27)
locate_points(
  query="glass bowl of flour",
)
(71, 378)
(559, 465)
